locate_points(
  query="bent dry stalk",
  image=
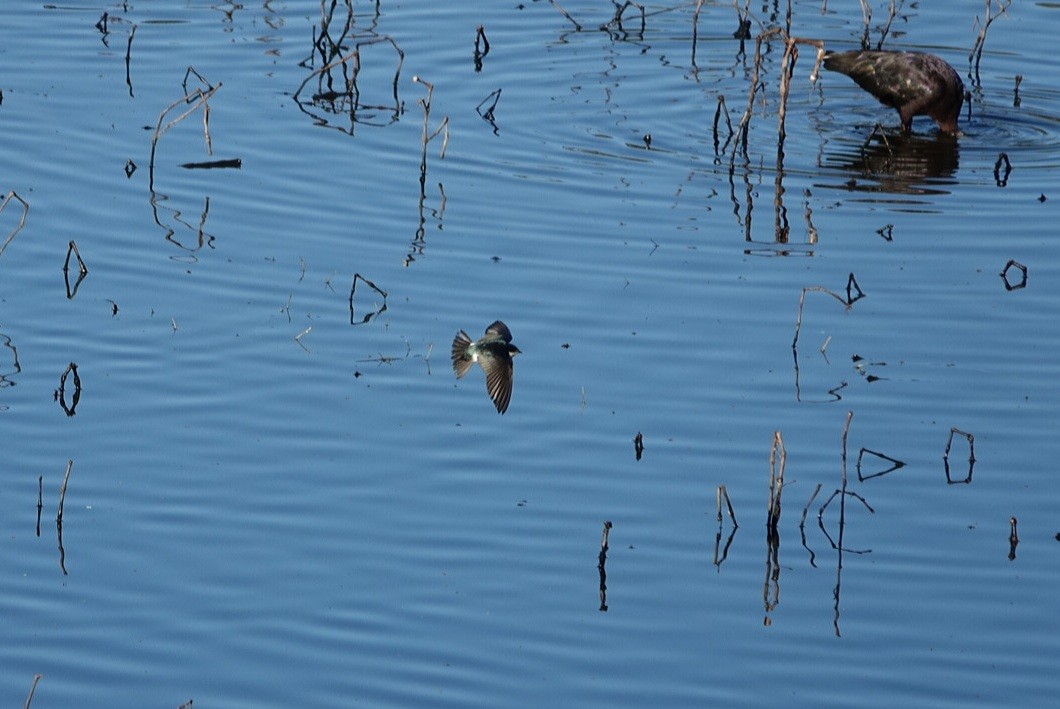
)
(21, 220)
(199, 99)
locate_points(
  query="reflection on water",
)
(340, 47)
(899, 163)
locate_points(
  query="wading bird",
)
(916, 84)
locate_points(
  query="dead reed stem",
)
(1013, 539)
(62, 493)
(32, 689)
(866, 18)
(846, 431)
(971, 455)
(21, 220)
(802, 525)
(771, 585)
(723, 494)
(892, 12)
(602, 563)
(354, 55)
(72, 248)
(444, 125)
(199, 99)
(745, 120)
(480, 53)
(895, 464)
(695, 42)
(353, 291)
(980, 41)
(786, 69)
(298, 338)
(128, 60)
(620, 10)
(488, 113)
(777, 460)
(811, 230)
(802, 305)
(808, 503)
(721, 110)
(40, 500)
(842, 526)
(480, 34)
(603, 540)
(798, 328)
(577, 27)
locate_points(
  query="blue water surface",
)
(281, 496)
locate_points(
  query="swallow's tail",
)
(461, 360)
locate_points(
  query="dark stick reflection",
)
(601, 565)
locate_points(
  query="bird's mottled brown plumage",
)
(916, 84)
